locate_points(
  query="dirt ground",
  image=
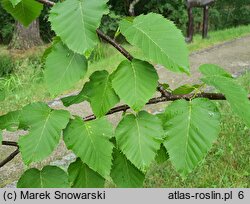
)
(234, 56)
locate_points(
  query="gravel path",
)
(233, 56)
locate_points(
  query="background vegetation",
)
(21, 82)
(223, 14)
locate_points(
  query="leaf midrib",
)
(188, 130)
(41, 135)
(82, 19)
(152, 41)
(92, 142)
(135, 78)
(139, 141)
(64, 73)
(41, 179)
(104, 92)
(23, 8)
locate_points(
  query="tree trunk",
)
(205, 22)
(190, 27)
(25, 38)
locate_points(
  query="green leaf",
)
(76, 99)
(159, 39)
(81, 176)
(236, 95)
(46, 126)
(165, 86)
(100, 93)
(81, 16)
(90, 142)
(186, 89)
(10, 121)
(25, 11)
(63, 68)
(162, 155)
(49, 177)
(124, 173)
(15, 2)
(214, 70)
(46, 53)
(135, 83)
(191, 128)
(139, 138)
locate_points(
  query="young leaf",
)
(139, 137)
(90, 142)
(46, 126)
(234, 93)
(63, 68)
(162, 155)
(15, 2)
(80, 16)
(81, 176)
(10, 121)
(100, 93)
(159, 39)
(25, 11)
(135, 83)
(185, 89)
(165, 86)
(191, 128)
(49, 177)
(76, 99)
(124, 173)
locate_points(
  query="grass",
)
(24, 85)
(217, 37)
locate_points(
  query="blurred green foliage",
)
(6, 26)
(223, 14)
(6, 65)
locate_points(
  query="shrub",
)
(7, 65)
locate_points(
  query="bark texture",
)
(25, 38)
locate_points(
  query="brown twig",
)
(125, 53)
(10, 143)
(9, 158)
(116, 45)
(12, 155)
(121, 49)
(165, 94)
(171, 97)
(211, 96)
